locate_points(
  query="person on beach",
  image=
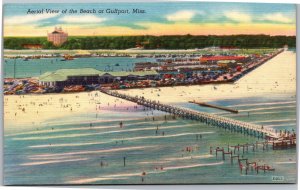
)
(241, 167)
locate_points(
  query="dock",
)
(207, 118)
(214, 106)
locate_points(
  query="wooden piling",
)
(223, 155)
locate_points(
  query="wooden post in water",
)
(223, 156)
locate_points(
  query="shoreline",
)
(276, 77)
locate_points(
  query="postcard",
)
(149, 93)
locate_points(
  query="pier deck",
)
(210, 119)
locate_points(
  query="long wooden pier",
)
(210, 119)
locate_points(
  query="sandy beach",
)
(277, 76)
(32, 110)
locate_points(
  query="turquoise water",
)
(76, 150)
(36, 67)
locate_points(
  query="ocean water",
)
(70, 151)
(36, 67)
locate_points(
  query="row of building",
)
(89, 76)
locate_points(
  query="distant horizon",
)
(156, 19)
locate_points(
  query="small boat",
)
(26, 59)
(67, 58)
(117, 64)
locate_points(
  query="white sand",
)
(52, 107)
(277, 76)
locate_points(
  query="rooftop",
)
(57, 30)
(63, 74)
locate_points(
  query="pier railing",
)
(210, 119)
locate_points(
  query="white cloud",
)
(183, 16)
(16, 20)
(238, 16)
(276, 17)
(82, 19)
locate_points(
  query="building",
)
(58, 36)
(88, 76)
(32, 46)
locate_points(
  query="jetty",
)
(207, 118)
(214, 106)
(239, 152)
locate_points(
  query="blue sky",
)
(160, 19)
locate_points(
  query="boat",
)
(67, 58)
(117, 64)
